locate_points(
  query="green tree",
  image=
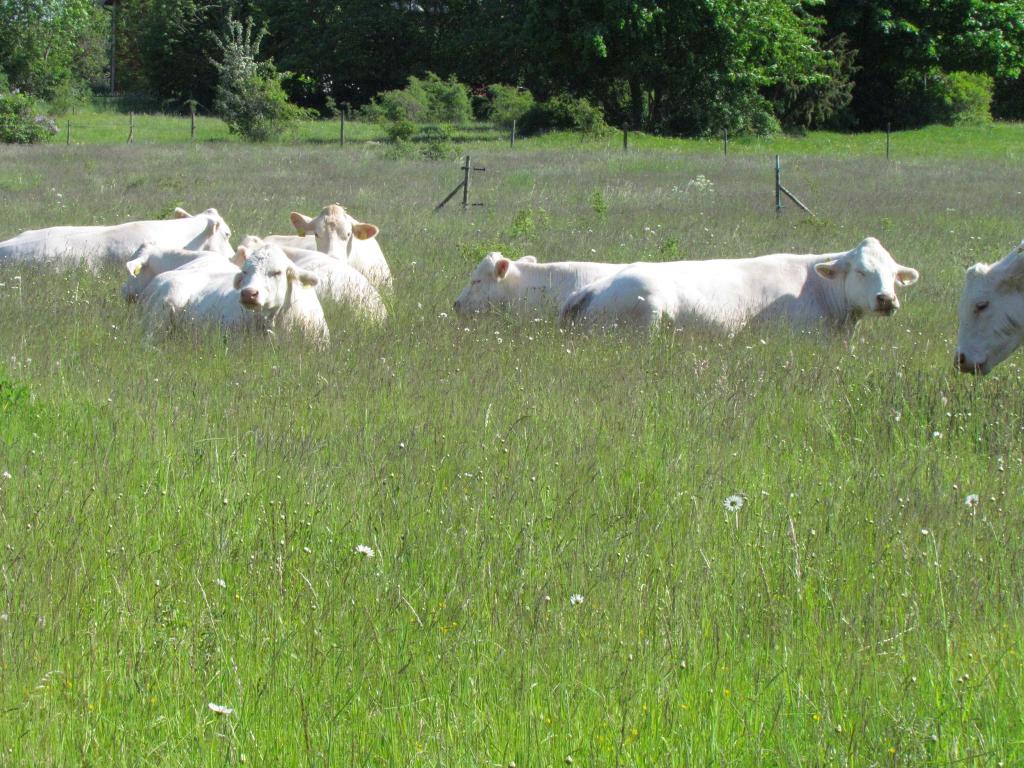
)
(249, 96)
(44, 44)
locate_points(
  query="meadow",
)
(555, 575)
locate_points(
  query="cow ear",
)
(831, 270)
(300, 222)
(135, 265)
(907, 275)
(181, 213)
(365, 231)
(237, 282)
(240, 256)
(527, 259)
(501, 268)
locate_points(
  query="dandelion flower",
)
(972, 500)
(362, 549)
(575, 599)
(734, 502)
(219, 709)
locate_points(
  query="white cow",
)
(96, 245)
(991, 313)
(337, 234)
(280, 293)
(151, 260)
(268, 293)
(337, 281)
(524, 286)
(834, 289)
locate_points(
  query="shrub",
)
(19, 124)
(563, 112)
(955, 98)
(423, 100)
(438, 142)
(969, 96)
(507, 103)
(249, 96)
(401, 130)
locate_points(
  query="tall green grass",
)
(180, 523)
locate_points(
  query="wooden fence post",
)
(465, 184)
(512, 135)
(888, 131)
(625, 138)
(192, 129)
(69, 133)
(341, 129)
(725, 142)
(131, 127)
(778, 185)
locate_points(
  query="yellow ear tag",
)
(302, 233)
(136, 270)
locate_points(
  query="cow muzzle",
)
(250, 298)
(886, 304)
(968, 366)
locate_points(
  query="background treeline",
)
(674, 66)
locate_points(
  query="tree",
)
(42, 43)
(249, 96)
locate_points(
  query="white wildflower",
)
(734, 502)
(362, 549)
(972, 500)
(221, 583)
(219, 709)
(6, 475)
(575, 599)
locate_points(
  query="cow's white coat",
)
(526, 286)
(97, 245)
(834, 289)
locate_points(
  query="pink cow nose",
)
(250, 295)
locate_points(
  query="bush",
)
(969, 96)
(507, 103)
(564, 113)
(19, 123)
(401, 130)
(250, 97)
(438, 142)
(955, 98)
(423, 100)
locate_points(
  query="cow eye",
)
(861, 272)
(275, 273)
(981, 306)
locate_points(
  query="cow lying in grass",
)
(835, 290)
(524, 286)
(991, 313)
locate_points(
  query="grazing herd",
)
(184, 270)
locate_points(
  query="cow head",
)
(991, 313)
(267, 278)
(494, 284)
(139, 272)
(216, 236)
(869, 276)
(334, 230)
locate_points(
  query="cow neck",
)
(551, 277)
(838, 311)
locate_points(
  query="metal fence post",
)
(341, 129)
(888, 131)
(69, 133)
(465, 184)
(725, 142)
(512, 135)
(778, 185)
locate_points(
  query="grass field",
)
(179, 523)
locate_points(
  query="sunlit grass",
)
(181, 522)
